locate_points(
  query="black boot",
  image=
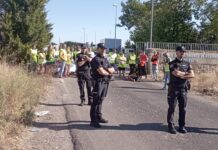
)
(95, 124)
(182, 129)
(171, 129)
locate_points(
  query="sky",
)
(85, 20)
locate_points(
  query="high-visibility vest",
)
(56, 54)
(52, 56)
(117, 59)
(166, 68)
(63, 55)
(166, 65)
(41, 58)
(75, 53)
(112, 58)
(69, 56)
(132, 59)
(122, 62)
(33, 55)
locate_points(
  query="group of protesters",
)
(62, 62)
(59, 59)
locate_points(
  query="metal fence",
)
(199, 53)
(203, 56)
(171, 46)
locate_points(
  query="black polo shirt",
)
(85, 66)
(97, 62)
(181, 65)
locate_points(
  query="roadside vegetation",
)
(19, 93)
(206, 83)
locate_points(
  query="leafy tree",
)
(209, 22)
(23, 24)
(173, 20)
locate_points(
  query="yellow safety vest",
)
(63, 55)
(41, 58)
(112, 58)
(132, 59)
(52, 56)
(166, 68)
(69, 56)
(122, 62)
(33, 55)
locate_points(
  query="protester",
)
(166, 69)
(155, 61)
(142, 66)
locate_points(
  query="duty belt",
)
(102, 80)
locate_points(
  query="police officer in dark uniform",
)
(101, 74)
(180, 72)
(83, 75)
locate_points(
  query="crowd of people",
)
(132, 66)
(96, 70)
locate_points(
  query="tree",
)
(23, 24)
(209, 22)
(173, 20)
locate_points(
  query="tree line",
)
(23, 23)
(181, 21)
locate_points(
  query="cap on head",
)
(180, 48)
(101, 46)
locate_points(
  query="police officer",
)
(180, 72)
(83, 75)
(101, 73)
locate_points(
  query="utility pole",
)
(115, 32)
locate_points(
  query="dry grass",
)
(19, 93)
(206, 83)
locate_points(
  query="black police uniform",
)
(84, 76)
(100, 87)
(177, 91)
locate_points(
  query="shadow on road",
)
(84, 125)
(139, 88)
(48, 104)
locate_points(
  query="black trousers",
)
(85, 78)
(174, 95)
(142, 70)
(131, 69)
(100, 89)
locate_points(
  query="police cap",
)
(180, 48)
(101, 46)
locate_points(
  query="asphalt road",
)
(137, 119)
